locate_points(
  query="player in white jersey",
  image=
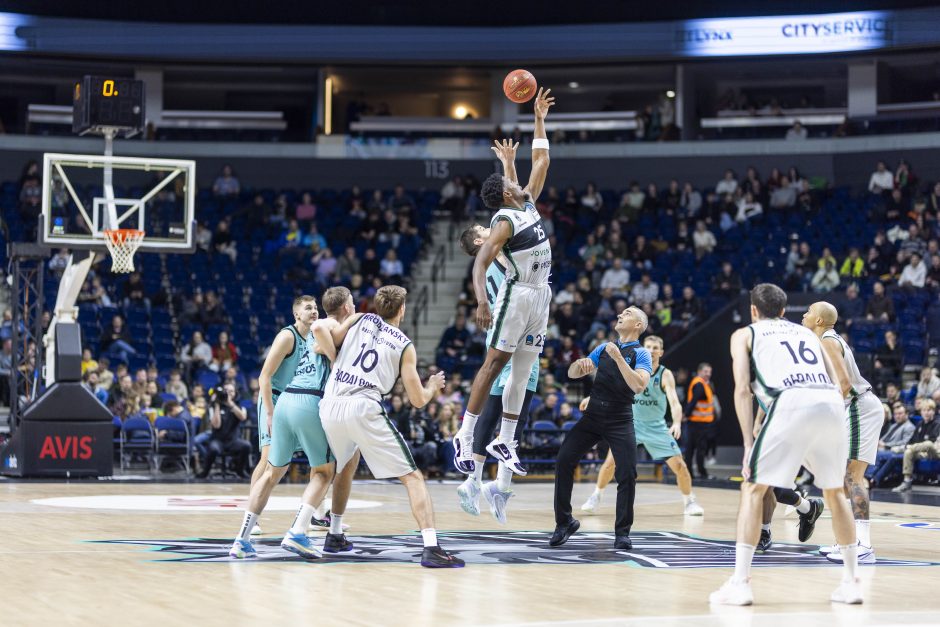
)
(523, 301)
(373, 352)
(864, 417)
(796, 384)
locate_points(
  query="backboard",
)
(83, 195)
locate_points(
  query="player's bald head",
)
(825, 312)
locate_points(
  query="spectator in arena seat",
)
(401, 202)
(591, 199)
(176, 387)
(888, 357)
(391, 268)
(313, 237)
(924, 444)
(89, 382)
(703, 240)
(796, 132)
(635, 196)
(727, 284)
(616, 247)
(325, 263)
(306, 210)
(642, 253)
(914, 274)
(226, 185)
(904, 178)
(881, 180)
(826, 278)
(645, 292)
(591, 249)
(691, 201)
(853, 308)
(196, 354)
(224, 353)
(826, 258)
(454, 341)
(775, 181)
(616, 277)
(913, 244)
(548, 410)
(933, 273)
(203, 237)
(348, 264)
(784, 196)
(672, 197)
(213, 312)
(59, 261)
(222, 240)
(891, 446)
(748, 209)
(652, 202)
(135, 293)
(567, 295)
(728, 184)
(116, 341)
(567, 320)
(896, 206)
(928, 384)
(689, 310)
(122, 399)
(854, 266)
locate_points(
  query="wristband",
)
(539, 142)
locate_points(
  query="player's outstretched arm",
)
(339, 333)
(833, 350)
(743, 397)
(419, 395)
(540, 159)
(675, 407)
(499, 237)
(283, 344)
(506, 153)
(322, 334)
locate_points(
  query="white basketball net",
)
(122, 244)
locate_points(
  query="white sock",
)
(863, 532)
(469, 422)
(248, 523)
(304, 514)
(478, 471)
(598, 492)
(429, 536)
(765, 527)
(849, 561)
(743, 554)
(688, 498)
(507, 429)
(503, 477)
(336, 523)
(803, 507)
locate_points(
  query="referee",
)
(623, 370)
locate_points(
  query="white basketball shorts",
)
(803, 427)
(520, 317)
(358, 422)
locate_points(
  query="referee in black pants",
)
(623, 370)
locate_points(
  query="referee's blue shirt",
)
(609, 385)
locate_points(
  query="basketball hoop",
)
(122, 244)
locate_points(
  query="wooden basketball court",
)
(110, 553)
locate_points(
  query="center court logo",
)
(651, 549)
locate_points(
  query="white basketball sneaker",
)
(590, 505)
(463, 452)
(866, 555)
(732, 593)
(469, 493)
(497, 500)
(506, 453)
(848, 592)
(694, 509)
(256, 530)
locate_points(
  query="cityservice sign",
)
(788, 34)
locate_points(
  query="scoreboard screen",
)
(99, 102)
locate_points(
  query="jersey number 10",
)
(367, 359)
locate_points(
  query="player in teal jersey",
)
(649, 423)
(277, 371)
(497, 493)
(295, 425)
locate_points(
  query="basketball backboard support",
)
(84, 195)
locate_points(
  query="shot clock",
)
(101, 102)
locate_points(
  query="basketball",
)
(520, 86)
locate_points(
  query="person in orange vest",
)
(700, 409)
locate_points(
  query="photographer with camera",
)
(226, 419)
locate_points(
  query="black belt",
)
(275, 392)
(611, 406)
(304, 391)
